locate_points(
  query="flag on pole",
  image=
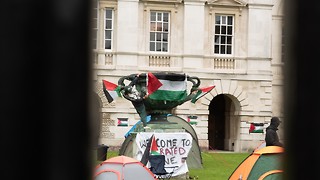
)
(256, 128)
(145, 157)
(111, 90)
(201, 92)
(153, 83)
(154, 147)
(174, 88)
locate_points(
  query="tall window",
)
(108, 28)
(223, 34)
(94, 26)
(159, 31)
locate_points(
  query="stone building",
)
(235, 45)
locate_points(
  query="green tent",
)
(262, 164)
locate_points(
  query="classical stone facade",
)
(248, 79)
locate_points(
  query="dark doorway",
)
(216, 124)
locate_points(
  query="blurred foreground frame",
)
(301, 90)
(45, 75)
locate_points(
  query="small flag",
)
(201, 92)
(122, 121)
(111, 90)
(154, 147)
(153, 83)
(193, 120)
(256, 128)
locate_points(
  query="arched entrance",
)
(223, 124)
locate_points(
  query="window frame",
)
(162, 32)
(104, 29)
(226, 15)
(95, 29)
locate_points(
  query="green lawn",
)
(216, 165)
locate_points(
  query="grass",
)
(216, 165)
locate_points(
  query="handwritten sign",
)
(175, 147)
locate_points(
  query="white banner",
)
(175, 147)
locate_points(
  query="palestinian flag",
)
(201, 92)
(111, 90)
(122, 121)
(174, 88)
(256, 128)
(154, 147)
(193, 120)
(153, 83)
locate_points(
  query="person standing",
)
(272, 138)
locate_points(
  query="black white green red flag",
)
(174, 88)
(256, 128)
(122, 121)
(153, 83)
(201, 92)
(154, 147)
(110, 90)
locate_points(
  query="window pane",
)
(165, 47)
(223, 40)
(165, 37)
(107, 44)
(152, 36)
(223, 20)
(153, 16)
(228, 49)
(158, 46)
(217, 19)
(158, 36)
(108, 24)
(109, 14)
(108, 34)
(152, 45)
(229, 39)
(217, 30)
(159, 16)
(165, 17)
(159, 26)
(152, 26)
(229, 29)
(223, 50)
(165, 27)
(223, 30)
(230, 20)
(216, 49)
(216, 40)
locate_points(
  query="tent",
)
(262, 164)
(194, 159)
(122, 168)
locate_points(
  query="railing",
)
(106, 60)
(159, 61)
(102, 59)
(223, 63)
